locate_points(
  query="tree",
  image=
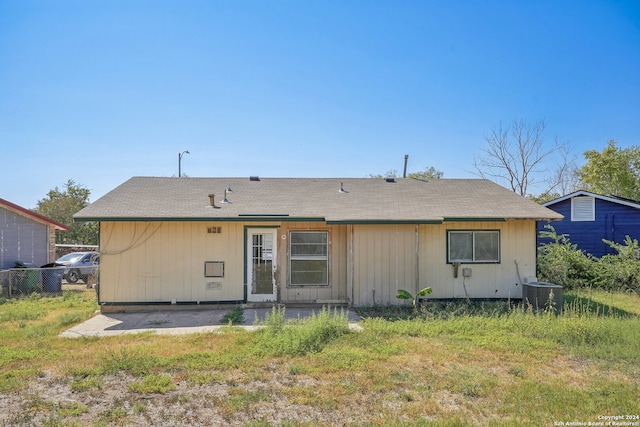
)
(61, 205)
(427, 173)
(516, 154)
(564, 178)
(614, 171)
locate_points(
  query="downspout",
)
(351, 267)
(417, 259)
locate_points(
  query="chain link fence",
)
(17, 282)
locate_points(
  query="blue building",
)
(589, 218)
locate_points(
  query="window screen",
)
(474, 246)
(308, 258)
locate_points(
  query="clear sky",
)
(99, 91)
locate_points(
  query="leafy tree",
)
(614, 171)
(517, 155)
(427, 173)
(391, 173)
(61, 205)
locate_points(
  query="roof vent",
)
(225, 200)
(212, 201)
(342, 190)
(254, 178)
(390, 179)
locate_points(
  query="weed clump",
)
(300, 336)
(235, 316)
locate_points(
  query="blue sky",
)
(99, 91)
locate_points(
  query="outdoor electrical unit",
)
(538, 294)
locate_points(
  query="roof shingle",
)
(363, 200)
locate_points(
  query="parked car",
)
(79, 265)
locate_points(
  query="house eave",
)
(473, 219)
(33, 215)
(242, 218)
(384, 221)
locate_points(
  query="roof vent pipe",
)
(225, 200)
(406, 160)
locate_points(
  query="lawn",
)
(448, 364)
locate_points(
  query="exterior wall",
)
(22, 239)
(517, 255)
(161, 262)
(384, 260)
(154, 262)
(158, 262)
(336, 291)
(612, 222)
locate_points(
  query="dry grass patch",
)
(475, 368)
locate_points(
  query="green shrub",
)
(562, 263)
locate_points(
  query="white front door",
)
(262, 251)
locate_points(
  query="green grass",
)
(446, 364)
(153, 384)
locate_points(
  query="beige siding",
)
(384, 260)
(164, 261)
(518, 244)
(336, 291)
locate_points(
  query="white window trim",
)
(583, 208)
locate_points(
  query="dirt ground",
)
(50, 401)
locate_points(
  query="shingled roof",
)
(33, 215)
(334, 200)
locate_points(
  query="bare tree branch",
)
(515, 154)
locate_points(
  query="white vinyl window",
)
(473, 246)
(583, 209)
(309, 258)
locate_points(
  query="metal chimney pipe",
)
(406, 160)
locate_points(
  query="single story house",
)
(352, 241)
(26, 236)
(589, 218)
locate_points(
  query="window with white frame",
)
(583, 209)
(473, 246)
(309, 258)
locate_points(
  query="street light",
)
(180, 162)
